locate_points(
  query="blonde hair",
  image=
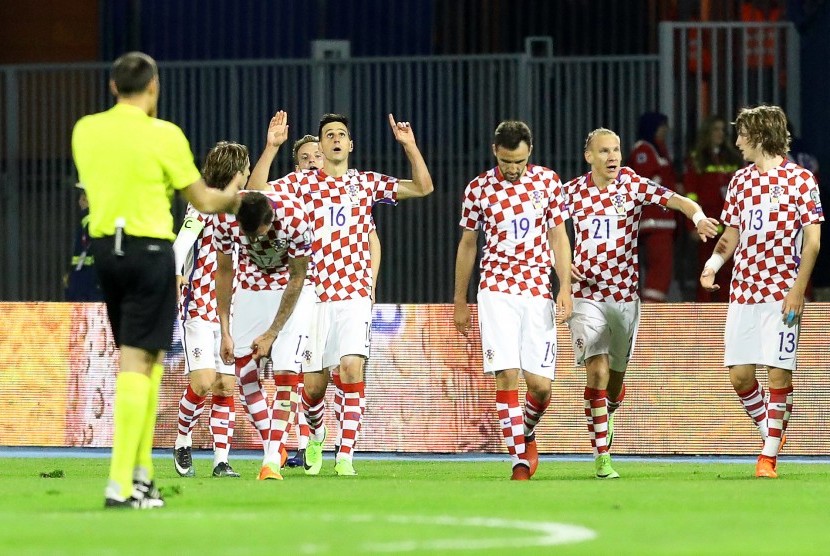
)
(765, 127)
(596, 132)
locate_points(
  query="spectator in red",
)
(650, 159)
(709, 167)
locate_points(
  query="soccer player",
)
(272, 308)
(131, 163)
(339, 201)
(201, 335)
(772, 216)
(606, 205)
(522, 212)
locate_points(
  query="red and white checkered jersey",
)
(606, 224)
(198, 298)
(769, 210)
(263, 263)
(340, 212)
(515, 217)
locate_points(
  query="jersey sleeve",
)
(470, 208)
(194, 223)
(652, 193)
(384, 188)
(557, 209)
(731, 216)
(223, 234)
(810, 210)
(297, 229)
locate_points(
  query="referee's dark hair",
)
(510, 133)
(254, 211)
(132, 72)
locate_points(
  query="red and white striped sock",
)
(282, 409)
(254, 397)
(777, 418)
(314, 411)
(789, 409)
(353, 394)
(596, 415)
(614, 405)
(337, 407)
(191, 406)
(756, 407)
(302, 426)
(512, 425)
(222, 419)
(534, 409)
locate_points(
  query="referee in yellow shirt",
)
(131, 164)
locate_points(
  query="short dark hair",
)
(331, 118)
(132, 73)
(512, 132)
(223, 162)
(305, 139)
(255, 210)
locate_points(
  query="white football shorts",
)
(201, 340)
(253, 314)
(517, 332)
(339, 328)
(604, 328)
(757, 334)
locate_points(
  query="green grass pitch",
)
(423, 507)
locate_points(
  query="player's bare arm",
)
(211, 200)
(297, 267)
(465, 259)
(561, 247)
(794, 301)
(724, 249)
(224, 283)
(276, 135)
(706, 227)
(421, 183)
(374, 261)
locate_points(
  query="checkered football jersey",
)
(198, 300)
(769, 210)
(340, 212)
(515, 217)
(606, 223)
(263, 264)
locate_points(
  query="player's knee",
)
(225, 385)
(201, 382)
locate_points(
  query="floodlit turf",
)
(423, 507)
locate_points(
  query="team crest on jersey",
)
(618, 201)
(776, 193)
(197, 353)
(580, 343)
(307, 356)
(352, 190)
(538, 199)
(489, 355)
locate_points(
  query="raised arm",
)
(277, 135)
(297, 267)
(465, 259)
(706, 227)
(561, 247)
(421, 183)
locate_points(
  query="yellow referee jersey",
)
(130, 165)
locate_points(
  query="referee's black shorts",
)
(139, 290)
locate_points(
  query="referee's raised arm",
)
(131, 163)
